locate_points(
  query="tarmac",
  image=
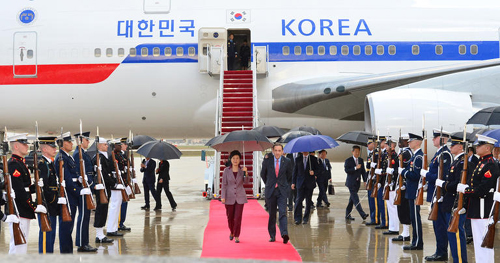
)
(167, 236)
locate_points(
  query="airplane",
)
(153, 66)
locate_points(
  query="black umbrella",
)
(139, 140)
(269, 131)
(355, 137)
(92, 150)
(307, 129)
(214, 140)
(285, 138)
(487, 116)
(160, 150)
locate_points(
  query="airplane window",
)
(179, 51)
(297, 50)
(345, 50)
(97, 52)
(368, 50)
(473, 49)
(191, 51)
(286, 50)
(156, 51)
(133, 52)
(29, 54)
(309, 50)
(109, 52)
(121, 52)
(380, 50)
(144, 51)
(168, 51)
(356, 50)
(439, 50)
(321, 50)
(462, 49)
(333, 50)
(392, 50)
(415, 49)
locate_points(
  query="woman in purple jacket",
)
(233, 194)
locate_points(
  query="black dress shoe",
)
(173, 209)
(86, 248)
(146, 207)
(285, 239)
(401, 238)
(436, 258)
(348, 218)
(297, 222)
(364, 216)
(104, 240)
(327, 204)
(469, 240)
(410, 247)
(231, 237)
(371, 224)
(124, 228)
(157, 208)
(272, 239)
(390, 232)
(305, 222)
(381, 227)
(114, 234)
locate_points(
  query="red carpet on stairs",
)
(254, 238)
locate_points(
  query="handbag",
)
(331, 188)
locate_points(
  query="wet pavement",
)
(179, 234)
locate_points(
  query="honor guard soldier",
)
(380, 202)
(48, 174)
(439, 140)
(479, 190)
(403, 208)
(115, 200)
(21, 184)
(458, 240)
(83, 221)
(412, 175)
(123, 209)
(371, 161)
(107, 181)
(392, 174)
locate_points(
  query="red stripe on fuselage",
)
(60, 74)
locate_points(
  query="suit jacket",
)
(149, 172)
(354, 175)
(163, 171)
(232, 188)
(301, 177)
(71, 174)
(284, 179)
(324, 171)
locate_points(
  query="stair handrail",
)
(218, 121)
(255, 119)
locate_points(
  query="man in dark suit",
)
(148, 181)
(355, 170)
(324, 174)
(163, 183)
(306, 167)
(277, 175)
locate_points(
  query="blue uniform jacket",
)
(412, 174)
(433, 173)
(89, 167)
(71, 174)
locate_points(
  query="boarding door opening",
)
(242, 57)
(25, 64)
(211, 49)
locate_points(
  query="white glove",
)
(63, 183)
(391, 185)
(419, 185)
(85, 191)
(61, 201)
(120, 187)
(379, 185)
(403, 187)
(461, 188)
(389, 170)
(41, 209)
(374, 177)
(128, 190)
(40, 183)
(131, 169)
(423, 173)
(134, 181)
(12, 219)
(400, 170)
(441, 199)
(378, 171)
(439, 182)
(426, 186)
(13, 194)
(462, 211)
(373, 165)
(496, 196)
(99, 187)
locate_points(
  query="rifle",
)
(489, 238)
(455, 217)
(44, 219)
(19, 238)
(137, 190)
(129, 176)
(119, 177)
(369, 184)
(375, 185)
(103, 198)
(66, 215)
(89, 198)
(388, 178)
(397, 198)
(433, 215)
(420, 195)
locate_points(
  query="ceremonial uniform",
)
(123, 209)
(47, 173)
(381, 205)
(108, 181)
(392, 210)
(374, 215)
(403, 209)
(115, 200)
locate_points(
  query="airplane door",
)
(211, 43)
(25, 61)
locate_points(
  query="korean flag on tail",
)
(238, 16)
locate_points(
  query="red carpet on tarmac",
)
(254, 238)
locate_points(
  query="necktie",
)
(305, 163)
(277, 170)
(356, 161)
(324, 164)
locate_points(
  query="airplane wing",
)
(348, 94)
